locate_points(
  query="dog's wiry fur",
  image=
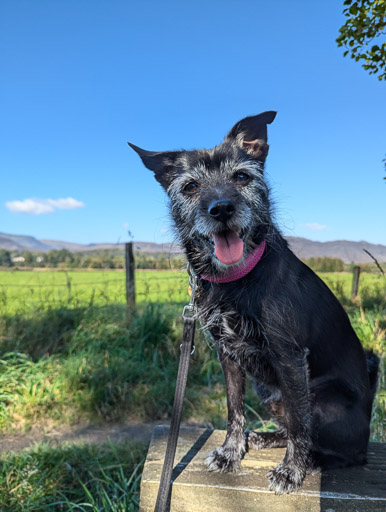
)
(280, 323)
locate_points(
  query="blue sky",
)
(81, 78)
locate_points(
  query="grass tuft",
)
(88, 477)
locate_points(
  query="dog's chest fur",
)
(240, 336)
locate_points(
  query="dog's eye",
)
(241, 177)
(190, 188)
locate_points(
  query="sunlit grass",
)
(81, 477)
(24, 290)
(76, 354)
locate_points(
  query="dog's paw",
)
(223, 460)
(285, 478)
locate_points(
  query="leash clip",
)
(193, 349)
(190, 310)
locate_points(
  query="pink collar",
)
(238, 271)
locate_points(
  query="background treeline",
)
(115, 259)
(326, 264)
(323, 264)
(100, 259)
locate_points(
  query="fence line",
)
(149, 288)
(48, 285)
(130, 273)
(140, 278)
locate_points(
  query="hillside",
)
(302, 247)
(343, 249)
(30, 243)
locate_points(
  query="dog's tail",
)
(372, 361)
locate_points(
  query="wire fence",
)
(20, 289)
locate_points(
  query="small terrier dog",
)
(269, 315)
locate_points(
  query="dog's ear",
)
(161, 163)
(251, 134)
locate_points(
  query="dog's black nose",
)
(222, 210)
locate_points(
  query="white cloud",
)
(315, 226)
(42, 206)
(31, 206)
(164, 230)
(65, 204)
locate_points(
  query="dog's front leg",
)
(228, 456)
(292, 374)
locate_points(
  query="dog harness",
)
(238, 271)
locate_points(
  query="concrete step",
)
(356, 489)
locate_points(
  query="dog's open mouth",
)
(228, 247)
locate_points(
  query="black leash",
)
(187, 348)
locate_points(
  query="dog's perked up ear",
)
(251, 134)
(161, 163)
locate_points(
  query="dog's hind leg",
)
(340, 425)
(228, 456)
(277, 439)
(260, 440)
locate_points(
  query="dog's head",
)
(218, 197)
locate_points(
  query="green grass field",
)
(70, 353)
(21, 291)
(24, 290)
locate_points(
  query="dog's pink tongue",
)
(228, 247)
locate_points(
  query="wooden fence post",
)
(130, 269)
(355, 281)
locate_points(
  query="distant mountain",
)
(21, 243)
(139, 246)
(30, 243)
(57, 244)
(302, 247)
(342, 249)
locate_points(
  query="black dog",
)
(269, 314)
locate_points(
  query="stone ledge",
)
(357, 489)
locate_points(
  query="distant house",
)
(18, 259)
